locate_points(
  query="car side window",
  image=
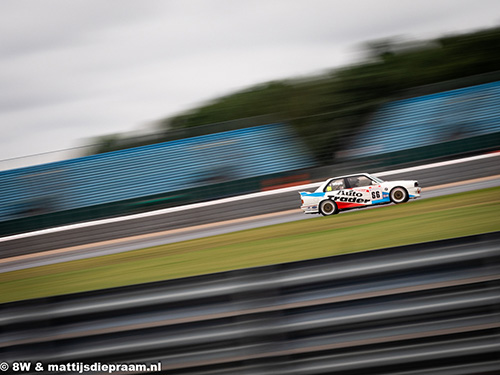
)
(359, 181)
(335, 185)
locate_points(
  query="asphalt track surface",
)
(184, 234)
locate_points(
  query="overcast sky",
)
(74, 69)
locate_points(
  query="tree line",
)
(327, 110)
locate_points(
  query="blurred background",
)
(404, 103)
(125, 107)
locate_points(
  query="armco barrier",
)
(430, 308)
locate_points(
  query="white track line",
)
(440, 164)
(229, 200)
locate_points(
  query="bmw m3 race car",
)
(355, 191)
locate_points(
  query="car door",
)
(370, 190)
(344, 196)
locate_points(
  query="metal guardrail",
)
(420, 309)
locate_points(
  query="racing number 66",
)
(375, 194)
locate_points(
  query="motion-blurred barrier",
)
(121, 181)
(419, 309)
(430, 126)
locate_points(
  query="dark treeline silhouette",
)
(326, 110)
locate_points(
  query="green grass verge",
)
(417, 221)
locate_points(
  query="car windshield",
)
(376, 179)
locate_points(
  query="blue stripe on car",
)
(383, 200)
(312, 194)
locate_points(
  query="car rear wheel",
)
(399, 195)
(328, 207)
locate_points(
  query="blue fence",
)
(148, 170)
(431, 119)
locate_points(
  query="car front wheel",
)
(399, 195)
(328, 207)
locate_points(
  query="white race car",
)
(354, 191)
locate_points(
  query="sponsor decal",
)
(350, 193)
(350, 200)
(349, 196)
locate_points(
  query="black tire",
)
(328, 207)
(399, 195)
